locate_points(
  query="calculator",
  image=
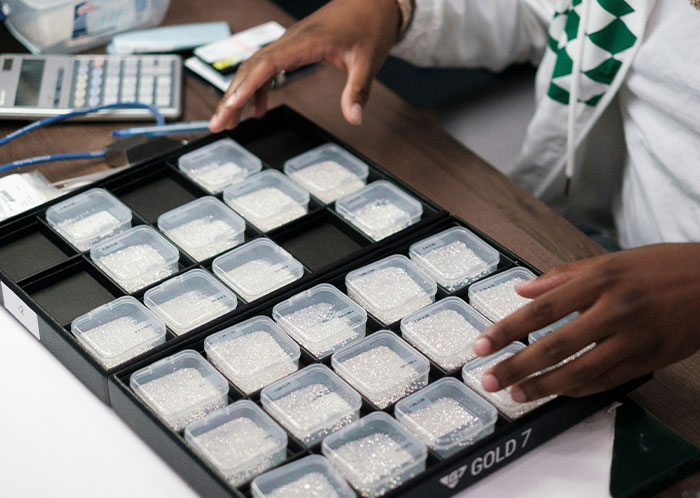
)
(38, 86)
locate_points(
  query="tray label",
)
(20, 311)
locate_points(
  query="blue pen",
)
(168, 129)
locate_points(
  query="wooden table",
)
(413, 146)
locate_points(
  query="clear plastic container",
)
(380, 209)
(204, 227)
(257, 268)
(375, 454)
(473, 371)
(382, 367)
(454, 258)
(445, 332)
(312, 403)
(181, 388)
(218, 165)
(268, 200)
(118, 331)
(310, 477)
(534, 336)
(391, 288)
(190, 300)
(136, 258)
(447, 416)
(241, 441)
(322, 319)
(253, 353)
(329, 172)
(88, 218)
(495, 296)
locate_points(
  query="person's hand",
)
(640, 307)
(353, 35)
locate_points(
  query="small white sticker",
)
(20, 310)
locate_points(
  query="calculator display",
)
(29, 85)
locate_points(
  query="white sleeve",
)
(477, 33)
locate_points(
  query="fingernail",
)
(482, 346)
(517, 394)
(490, 383)
(356, 113)
(231, 100)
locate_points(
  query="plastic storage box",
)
(380, 209)
(190, 300)
(88, 218)
(329, 172)
(375, 454)
(241, 441)
(495, 296)
(321, 319)
(118, 331)
(181, 388)
(454, 258)
(447, 416)
(312, 403)
(219, 164)
(203, 228)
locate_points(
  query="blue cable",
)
(50, 158)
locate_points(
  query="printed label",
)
(20, 311)
(17, 195)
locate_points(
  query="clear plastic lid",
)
(268, 199)
(375, 454)
(253, 353)
(311, 474)
(445, 332)
(383, 367)
(391, 288)
(136, 258)
(257, 268)
(312, 403)
(204, 227)
(219, 164)
(329, 172)
(189, 300)
(380, 209)
(181, 388)
(240, 440)
(455, 257)
(322, 319)
(447, 416)
(495, 296)
(88, 218)
(118, 331)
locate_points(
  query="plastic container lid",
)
(312, 403)
(391, 288)
(204, 227)
(383, 367)
(538, 334)
(136, 258)
(321, 319)
(181, 388)
(380, 209)
(445, 332)
(447, 416)
(268, 199)
(118, 331)
(375, 454)
(329, 172)
(189, 300)
(257, 268)
(241, 441)
(455, 257)
(219, 164)
(253, 353)
(313, 472)
(87, 218)
(495, 296)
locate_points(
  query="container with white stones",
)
(218, 165)
(375, 454)
(204, 227)
(88, 218)
(190, 300)
(312, 403)
(240, 441)
(329, 172)
(447, 416)
(495, 296)
(181, 388)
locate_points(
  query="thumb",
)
(356, 91)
